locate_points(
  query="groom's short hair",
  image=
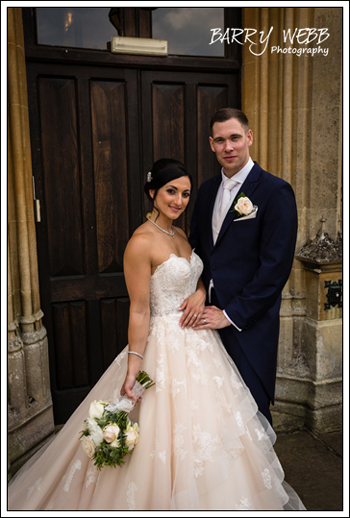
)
(224, 114)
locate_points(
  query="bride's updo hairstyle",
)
(163, 171)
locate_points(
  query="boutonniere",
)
(244, 206)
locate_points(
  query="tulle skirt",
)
(203, 444)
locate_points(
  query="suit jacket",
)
(250, 263)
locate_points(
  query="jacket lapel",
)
(248, 186)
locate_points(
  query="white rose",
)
(115, 443)
(91, 425)
(96, 409)
(88, 445)
(244, 206)
(96, 433)
(132, 437)
(110, 432)
(131, 425)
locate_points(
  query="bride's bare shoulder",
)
(140, 242)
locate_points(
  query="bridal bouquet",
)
(108, 433)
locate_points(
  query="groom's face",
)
(230, 142)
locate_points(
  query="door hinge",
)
(36, 205)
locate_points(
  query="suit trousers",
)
(250, 378)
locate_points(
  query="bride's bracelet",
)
(137, 354)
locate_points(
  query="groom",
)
(244, 228)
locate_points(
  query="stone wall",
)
(294, 107)
(30, 418)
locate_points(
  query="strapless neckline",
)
(172, 256)
(172, 282)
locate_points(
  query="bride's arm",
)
(137, 271)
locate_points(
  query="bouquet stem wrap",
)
(124, 403)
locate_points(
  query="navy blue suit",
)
(249, 264)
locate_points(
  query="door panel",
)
(108, 101)
(69, 326)
(168, 116)
(114, 316)
(88, 183)
(58, 121)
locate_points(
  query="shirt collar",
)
(242, 174)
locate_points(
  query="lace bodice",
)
(172, 282)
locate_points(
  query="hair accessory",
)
(149, 177)
(137, 354)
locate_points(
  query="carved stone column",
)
(294, 106)
(30, 418)
(321, 331)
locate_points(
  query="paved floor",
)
(313, 467)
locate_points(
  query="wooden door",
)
(86, 163)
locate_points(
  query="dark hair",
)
(164, 171)
(224, 114)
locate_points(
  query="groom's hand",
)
(212, 318)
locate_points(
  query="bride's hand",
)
(133, 371)
(192, 308)
(127, 386)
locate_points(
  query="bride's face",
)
(172, 199)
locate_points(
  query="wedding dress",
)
(203, 444)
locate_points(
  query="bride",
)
(203, 444)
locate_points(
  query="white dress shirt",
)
(218, 219)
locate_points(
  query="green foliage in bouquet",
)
(144, 380)
(106, 454)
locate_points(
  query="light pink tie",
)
(229, 184)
